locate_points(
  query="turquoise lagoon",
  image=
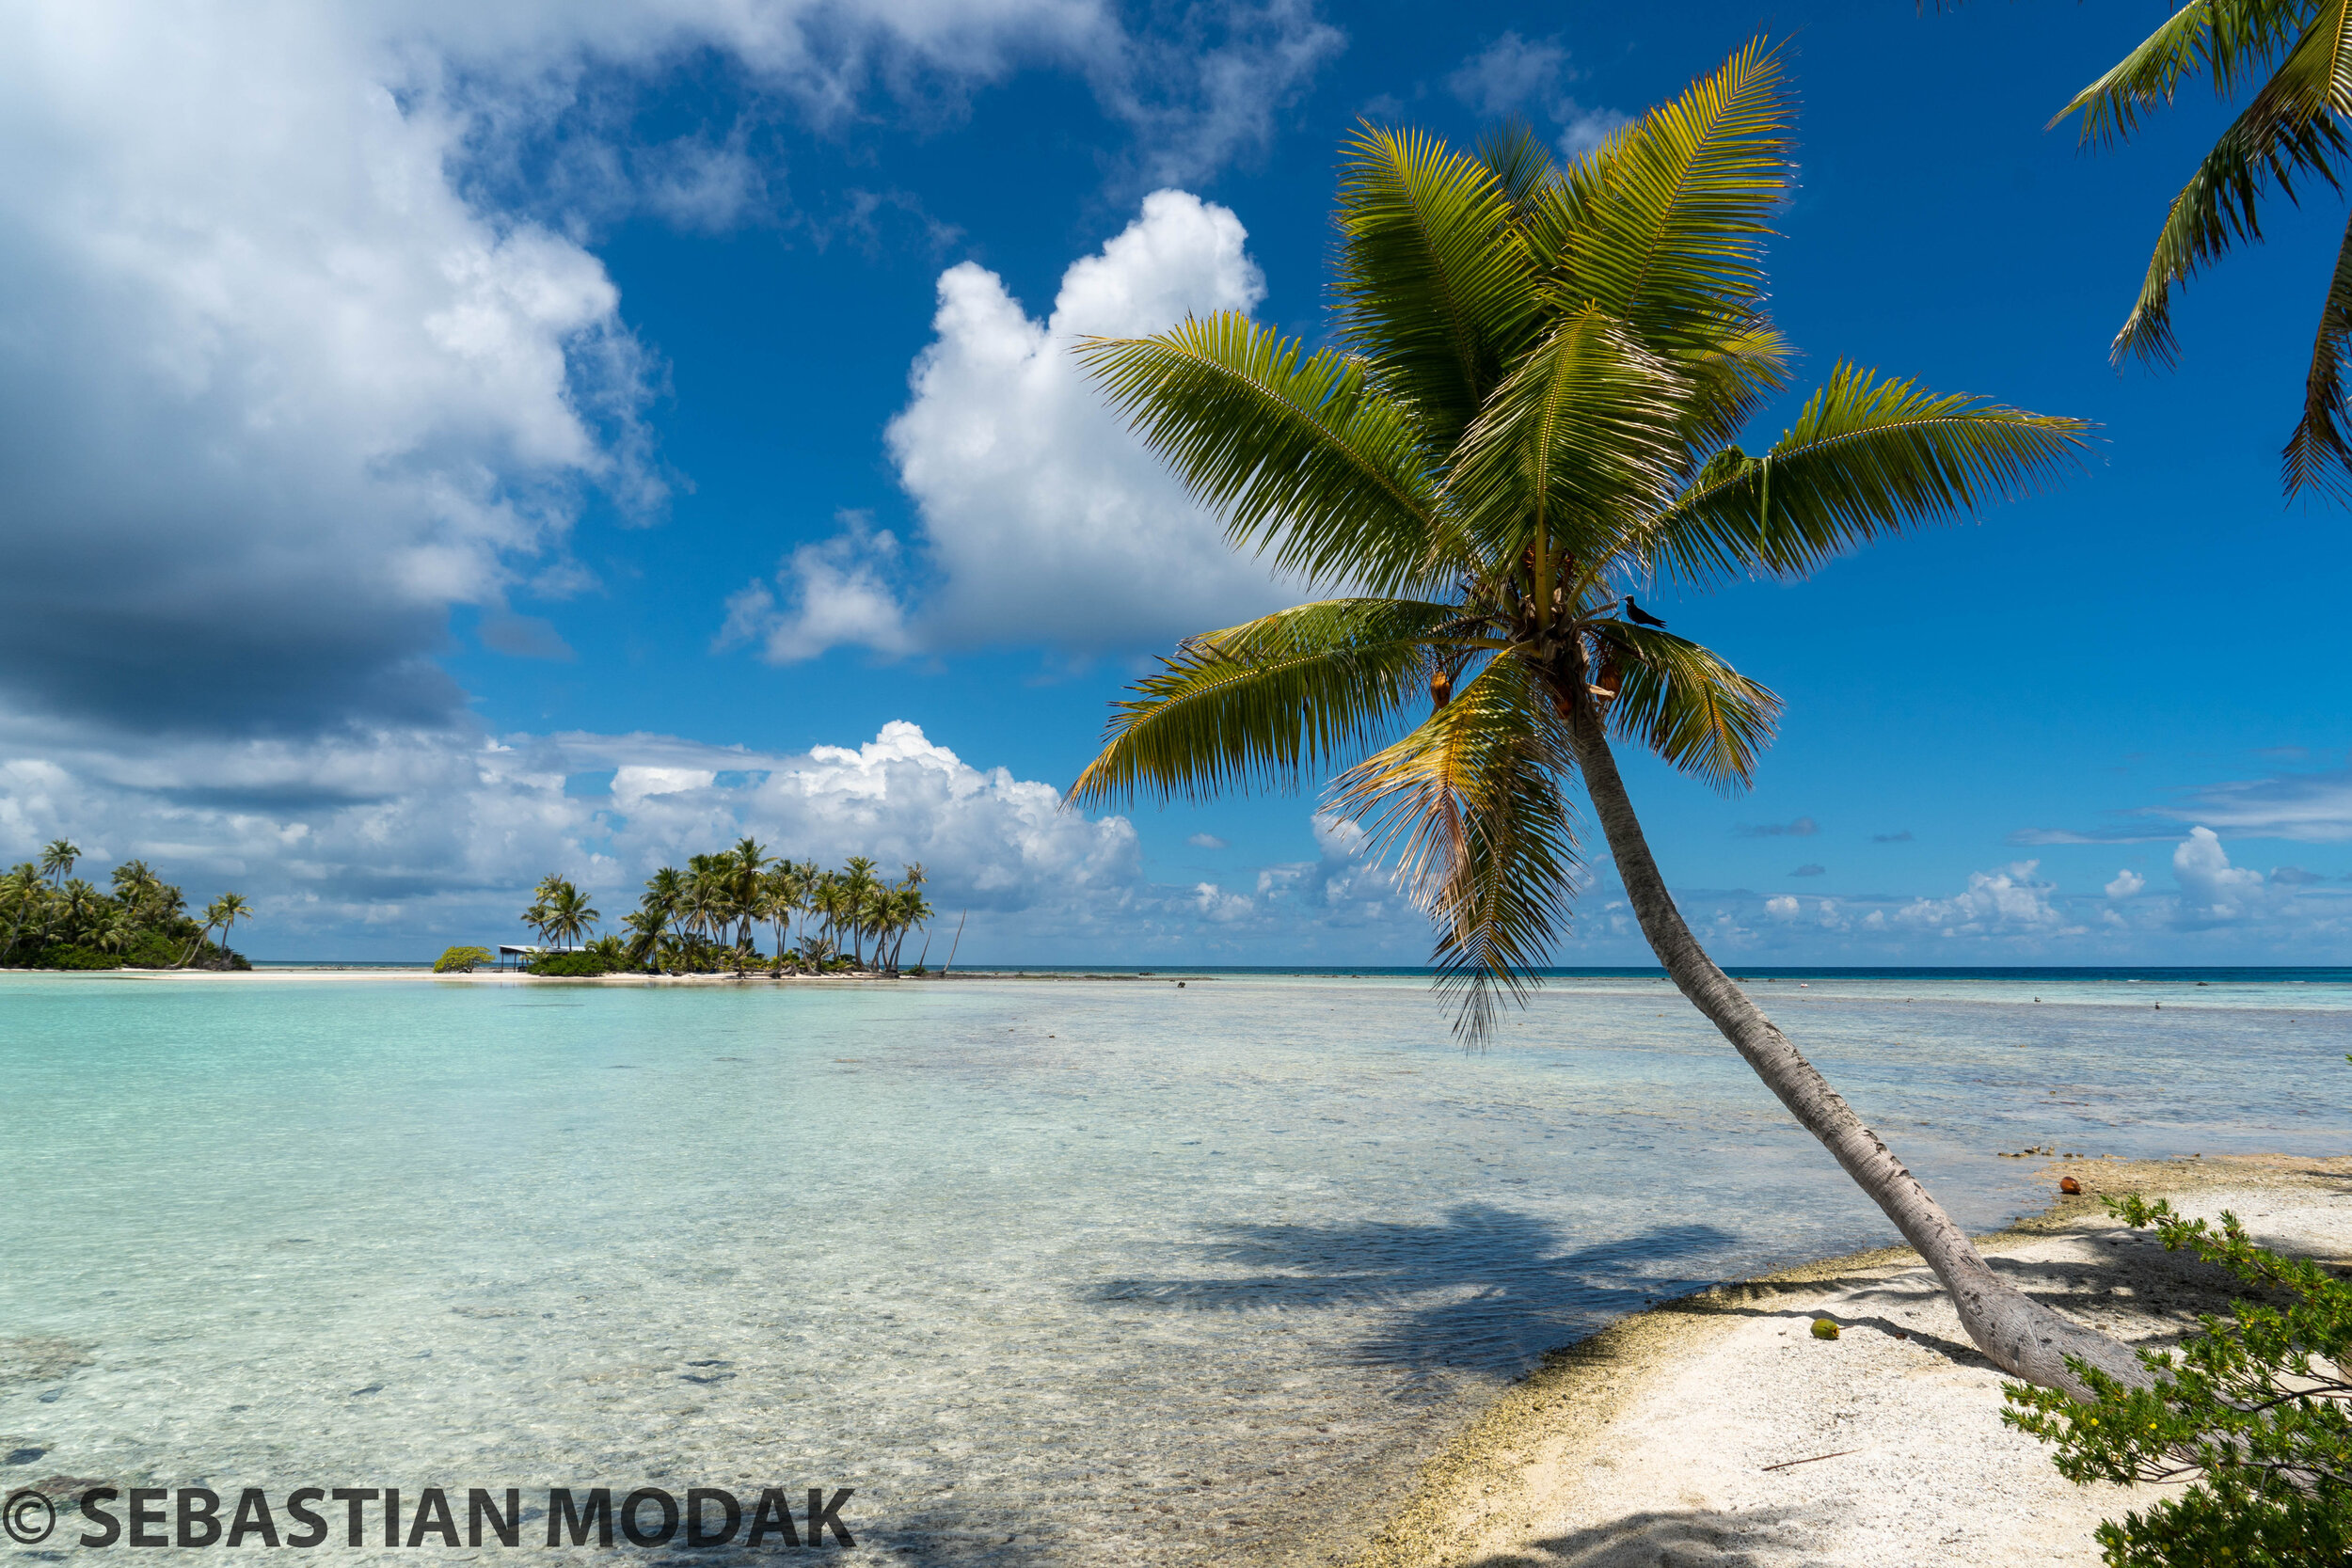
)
(1051, 1272)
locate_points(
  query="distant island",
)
(56, 920)
(705, 920)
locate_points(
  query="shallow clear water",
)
(1052, 1272)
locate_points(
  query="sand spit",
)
(1715, 1432)
(516, 976)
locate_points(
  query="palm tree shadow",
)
(1748, 1538)
(1486, 1287)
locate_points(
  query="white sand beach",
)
(1717, 1432)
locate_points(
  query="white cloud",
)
(1039, 509)
(1513, 74)
(2126, 884)
(2008, 902)
(2213, 891)
(1508, 73)
(1207, 841)
(301, 343)
(1782, 906)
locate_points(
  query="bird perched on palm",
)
(1532, 407)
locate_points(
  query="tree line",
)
(57, 919)
(707, 917)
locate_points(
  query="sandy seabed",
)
(1715, 1432)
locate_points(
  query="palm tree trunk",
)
(2016, 1333)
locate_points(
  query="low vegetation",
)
(460, 960)
(56, 920)
(2250, 1413)
(707, 918)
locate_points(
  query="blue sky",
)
(447, 443)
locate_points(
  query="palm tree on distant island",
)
(221, 913)
(1530, 411)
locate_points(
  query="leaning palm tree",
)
(58, 857)
(222, 913)
(1530, 411)
(2292, 128)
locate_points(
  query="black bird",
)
(1638, 616)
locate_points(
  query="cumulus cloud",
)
(393, 843)
(2126, 884)
(2011, 901)
(1514, 75)
(1039, 509)
(302, 346)
(2213, 891)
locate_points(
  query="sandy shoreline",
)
(1701, 1430)
(516, 976)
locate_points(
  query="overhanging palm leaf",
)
(2318, 453)
(2290, 130)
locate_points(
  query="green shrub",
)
(2251, 1412)
(154, 950)
(572, 966)
(65, 955)
(460, 960)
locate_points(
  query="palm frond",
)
(1302, 456)
(2232, 39)
(1519, 162)
(2319, 453)
(2288, 130)
(1470, 805)
(1671, 214)
(1433, 276)
(1689, 706)
(1583, 430)
(1265, 702)
(1866, 457)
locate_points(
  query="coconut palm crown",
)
(1530, 410)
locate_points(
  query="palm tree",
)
(858, 888)
(2292, 128)
(22, 890)
(223, 912)
(1531, 410)
(56, 860)
(569, 917)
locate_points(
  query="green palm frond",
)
(1262, 703)
(2319, 454)
(1520, 163)
(1580, 431)
(1866, 457)
(1303, 457)
(1672, 231)
(2230, 39)
(1470, 806)
(1433, 276)
(2288, 130)
(1689, 706)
